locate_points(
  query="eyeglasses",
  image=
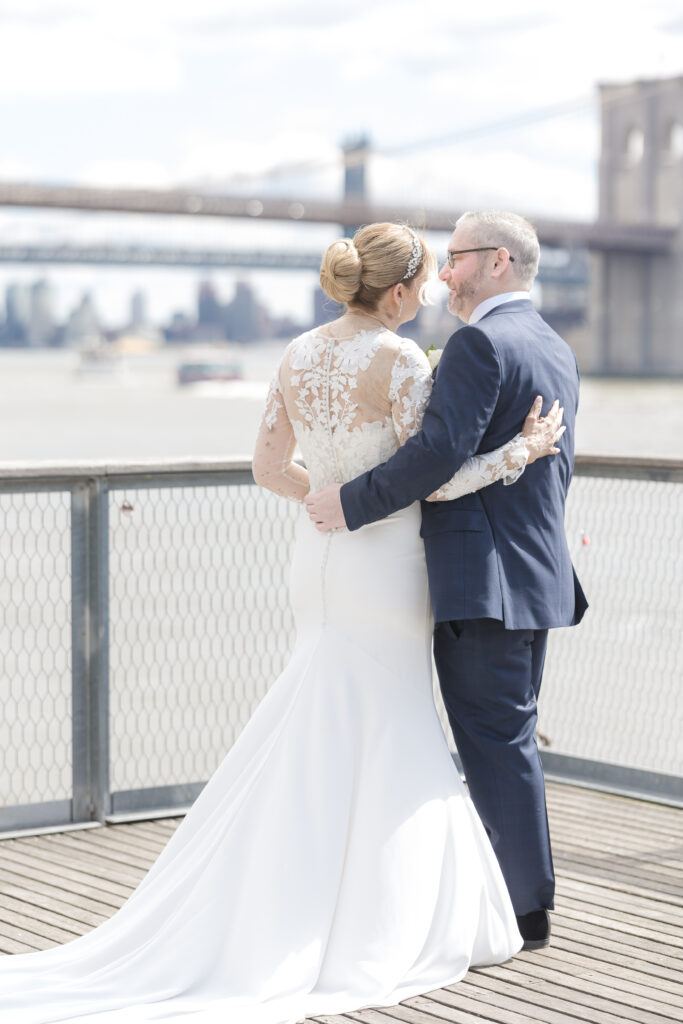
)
(481, 248)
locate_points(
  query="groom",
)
(499, 569)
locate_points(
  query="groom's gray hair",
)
(514, 233)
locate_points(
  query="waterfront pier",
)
(134, 596)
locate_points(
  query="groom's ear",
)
(501, 262)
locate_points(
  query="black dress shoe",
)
(535, 929)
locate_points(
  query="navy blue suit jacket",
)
(501, 552)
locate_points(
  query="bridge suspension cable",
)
(468, 133)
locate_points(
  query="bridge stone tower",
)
(356, 151)
(637, 298)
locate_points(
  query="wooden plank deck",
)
(617, 945)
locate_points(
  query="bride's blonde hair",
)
(361, 269)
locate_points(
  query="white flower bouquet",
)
(433, 355)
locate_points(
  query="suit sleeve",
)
(463, 400)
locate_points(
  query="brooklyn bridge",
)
(633, 251)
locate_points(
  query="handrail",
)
(630, 467)
(111, 469)
(87, 469)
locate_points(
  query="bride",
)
(334, 860)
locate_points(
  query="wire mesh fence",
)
(144, 614)
(35, 647)
(613, 687)
(200, 624)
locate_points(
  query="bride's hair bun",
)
(360, 270)
(341, 271)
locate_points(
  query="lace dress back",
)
(348, 400)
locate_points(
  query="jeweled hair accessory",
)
(415, 256)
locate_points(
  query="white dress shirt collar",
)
(496, 300)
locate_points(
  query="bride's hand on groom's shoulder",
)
(325, 508)
(541, 433)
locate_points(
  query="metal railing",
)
(613, 689)
(144, 614)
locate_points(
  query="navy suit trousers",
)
(490, 678)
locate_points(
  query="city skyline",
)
(31, 320)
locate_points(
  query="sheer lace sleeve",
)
(506, 463)
(272, 464)
(409, 391)
(411, 387)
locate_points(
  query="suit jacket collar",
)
(516, 306)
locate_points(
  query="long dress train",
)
(334, 860)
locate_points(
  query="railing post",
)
(90, 650)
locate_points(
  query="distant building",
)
(284, 327)
(180, 329)
(82, 328)
(209, 309)
(244, 317)
(356, 150)
(561, 291)
(17, 315)
(41, 327)
(138, 310)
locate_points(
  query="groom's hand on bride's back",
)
(325, 508)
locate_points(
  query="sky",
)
(465, 104)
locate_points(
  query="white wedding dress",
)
(334, 860)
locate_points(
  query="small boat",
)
(99, 361)
(198, 373)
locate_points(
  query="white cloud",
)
(126, 174)
(244, 163)
(460, 179)
(211, 22)
(85, 52)
(12, 169)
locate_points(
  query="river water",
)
(51, 410)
